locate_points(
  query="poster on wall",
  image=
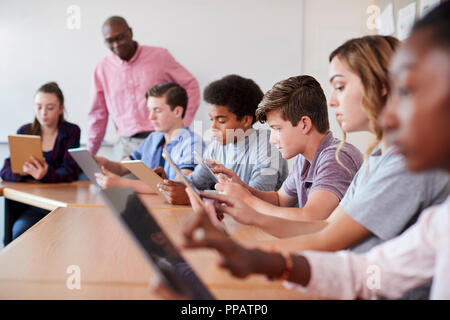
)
(406, 18)
(385, 22)
(427, 5)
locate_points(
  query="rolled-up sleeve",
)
(184, 78)
(98, 116)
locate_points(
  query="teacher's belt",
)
(141, 135)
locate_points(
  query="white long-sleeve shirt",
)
(419, 256)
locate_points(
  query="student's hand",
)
(174, 192)
(223, 173)
(35, 169)
(200, 231)
(235, 207)
(108, 179)
(101, 161)
(233, 189)
(160, 172)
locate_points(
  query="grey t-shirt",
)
(324, 172)
(387, 198)
(253, 159)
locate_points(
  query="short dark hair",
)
(176, 95)
(239, 95)
(295, 98)
(438, 22)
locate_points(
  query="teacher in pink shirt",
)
(120, 83)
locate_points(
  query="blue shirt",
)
(256, 162)
(181, 149)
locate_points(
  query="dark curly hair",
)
(239, 95)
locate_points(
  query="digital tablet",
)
(86, 162)
(21, 148)
(168, 263)
(200, 161)
(143, 172)
(180, 173)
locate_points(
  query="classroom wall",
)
(260, 39)
(328, 24)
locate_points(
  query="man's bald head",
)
(119, 37)
(116, 20)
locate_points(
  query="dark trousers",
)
(26, 218)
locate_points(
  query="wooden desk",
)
(59, 195)
(7, 184)
(34, 265)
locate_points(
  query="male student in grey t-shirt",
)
(233, 101)
(296, 110)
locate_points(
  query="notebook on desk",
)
(159, 251)
(86, 162)
(21, 148)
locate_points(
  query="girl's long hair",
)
(369, 57)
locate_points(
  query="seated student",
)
(361, 220)
(416, 121)
(57, 136)
(371, 211)
(233, 101)
(167, 102)
(296, 110)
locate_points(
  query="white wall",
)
(260, 39)
(328, 24)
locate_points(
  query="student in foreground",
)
(233, 101)
(296, 111)
(370, 212)
(58, 136)
(416, 122)
(167, 103)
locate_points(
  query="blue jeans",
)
(26, 219)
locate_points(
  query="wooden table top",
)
(8, 184)
(34, 266)
(50, 196)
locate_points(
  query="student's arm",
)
(68, 170)
(387, 270)
(6, 172)
(174, 191)
(182, 76)
(245, 214)
(110, 180)
(340, 233)
(113, 166)
(8, 175)
(97, 116)
(319, 206)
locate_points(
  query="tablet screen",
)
(170, 266)
(86, 162)
(199, 159)
(183, 177)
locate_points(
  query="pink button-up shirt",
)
(419, 256)
(120, 86)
